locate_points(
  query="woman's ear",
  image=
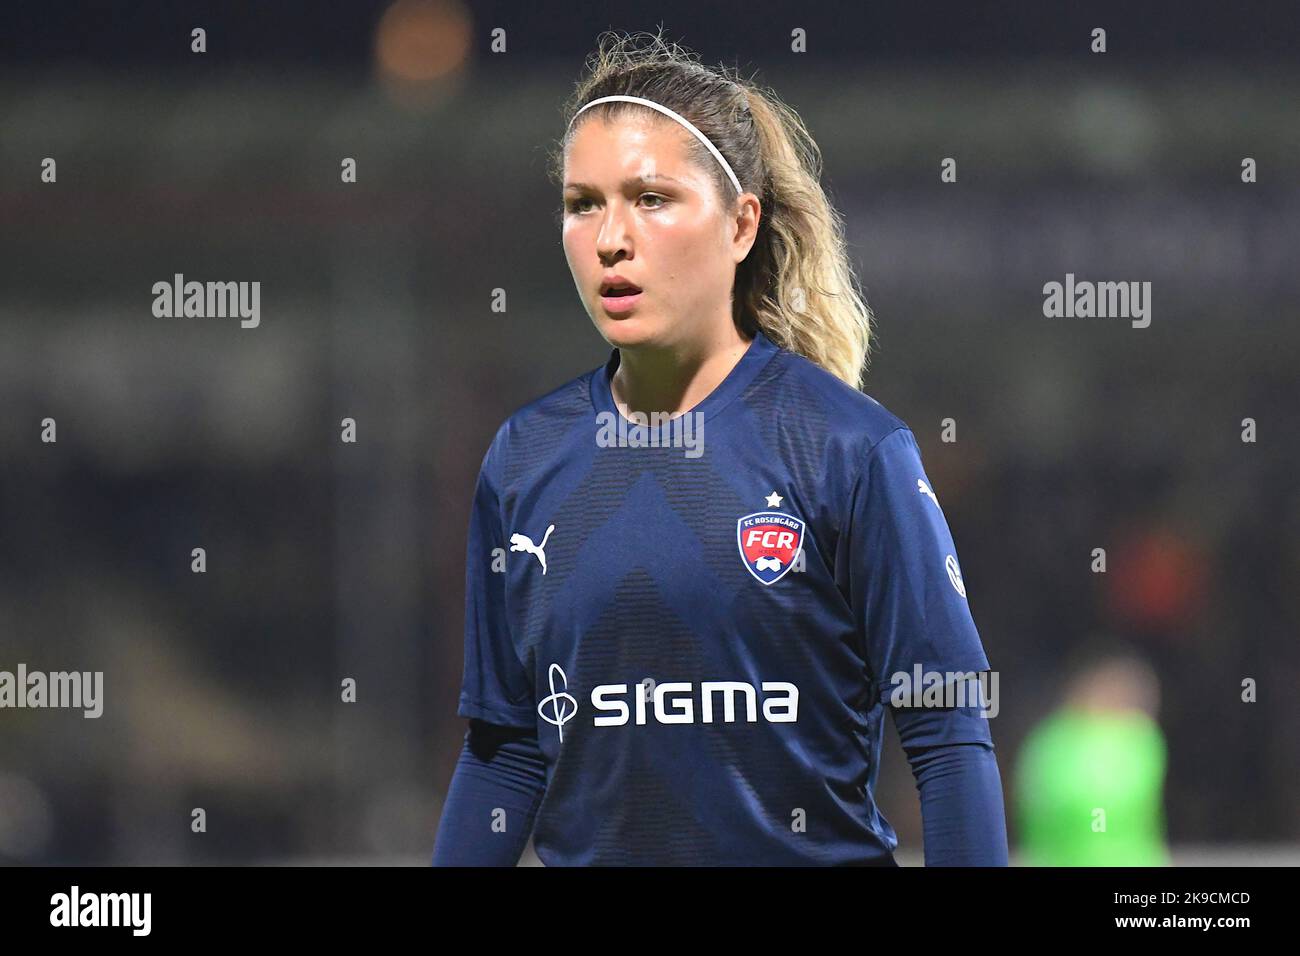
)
(747, 219)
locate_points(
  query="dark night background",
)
(329, 560)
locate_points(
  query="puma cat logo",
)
(521, 542)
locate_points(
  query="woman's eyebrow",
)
(630, 181)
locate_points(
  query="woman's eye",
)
(576, 205)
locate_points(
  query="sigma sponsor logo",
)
(672, 702)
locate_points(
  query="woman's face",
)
(636, 206)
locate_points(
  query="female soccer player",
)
(697, 575)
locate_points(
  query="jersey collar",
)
(759, 353)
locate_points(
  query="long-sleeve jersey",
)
(704, 621)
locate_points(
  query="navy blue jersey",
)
(702, 623)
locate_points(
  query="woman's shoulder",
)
(548, 414)
(849, 415)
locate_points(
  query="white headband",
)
(669, 113)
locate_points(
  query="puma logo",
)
(925, 489)
(521, 542)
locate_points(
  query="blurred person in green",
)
(1090, 776)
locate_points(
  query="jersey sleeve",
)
(491, 805)
(496, 686)
(909, 596)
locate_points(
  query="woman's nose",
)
(613, 236)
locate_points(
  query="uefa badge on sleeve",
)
(769, 543)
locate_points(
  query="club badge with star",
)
(769, 541)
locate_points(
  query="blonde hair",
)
(796, 284)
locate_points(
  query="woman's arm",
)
(962, 815)
(902, 571)
(496, 788)
(500, 776)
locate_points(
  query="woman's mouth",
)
(620, 299)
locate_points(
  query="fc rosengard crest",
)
(769, 542)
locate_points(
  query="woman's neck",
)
(676, 379)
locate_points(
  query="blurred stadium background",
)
(329, 560)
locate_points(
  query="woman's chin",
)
(627, 332)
